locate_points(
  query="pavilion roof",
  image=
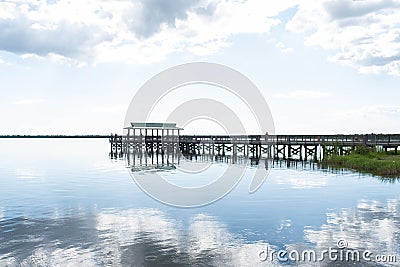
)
(153, 125)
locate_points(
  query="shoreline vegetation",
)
(367, 160)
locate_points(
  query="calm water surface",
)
(65, 202)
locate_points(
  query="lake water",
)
(66, 203)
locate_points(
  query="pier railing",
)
(390, 140)
(387, 140)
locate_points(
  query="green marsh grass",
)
(367, 160)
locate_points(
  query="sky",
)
(324, 67)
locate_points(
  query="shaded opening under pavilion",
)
(151, 131)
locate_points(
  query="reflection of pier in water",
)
(137, 162)
(147, 159)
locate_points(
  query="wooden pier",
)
(52, 136)
(301, 147)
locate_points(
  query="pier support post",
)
(284, 151)
(301, 152)
(315, 153)
(306, 152)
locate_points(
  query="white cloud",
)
(388, 110)
(282, 47)
(110, 109)
(374, 111)
(362, 34)
(302, 94)
(29, 101)
(129, 31)
(370, 119)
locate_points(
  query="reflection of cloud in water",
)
(60, 257)
(140, 235)
(285, 224)
(104, 167)
(147, 236)
(207, 234)
(28, 173)
(133, 227)
(126, 238)
(372, 225)
(297, 181)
